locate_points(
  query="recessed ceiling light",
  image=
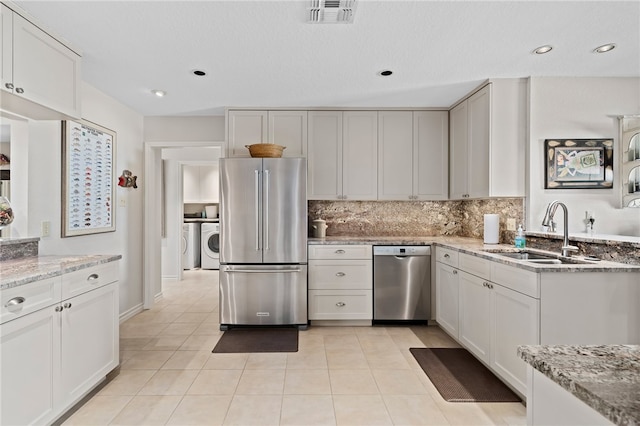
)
(199, 73)
(543, 49)
(385, 73)
(159, 93)
(604, 48)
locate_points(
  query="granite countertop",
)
(25, 270)
(476, 247)
(606, 377)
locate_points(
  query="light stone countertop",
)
(476, 247)
(25, 270)
(605, 377)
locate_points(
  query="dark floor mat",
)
(460, 377)
(245, 340)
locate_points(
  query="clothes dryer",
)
(210, 251)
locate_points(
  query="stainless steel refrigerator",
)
(263, 242)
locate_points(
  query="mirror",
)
(634, 181)
(634, 147)
(5, 169)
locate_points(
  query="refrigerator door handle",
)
(264, 271)
(257, 213)
(266, 209)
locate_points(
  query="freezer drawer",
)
(263, 295)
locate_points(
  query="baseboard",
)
(169, 278)
(130, 313)
(341, 323)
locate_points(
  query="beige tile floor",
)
(339, 376)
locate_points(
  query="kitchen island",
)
(583, 384)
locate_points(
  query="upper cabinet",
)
(630, 141)
(41, 74)
(200, 184)
(487, 142)
(412, 155)
(286, 128)
(342, 155)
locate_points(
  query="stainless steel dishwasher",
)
(401, 283)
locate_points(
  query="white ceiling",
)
(263, 53)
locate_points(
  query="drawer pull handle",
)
(14, 302)
(19, 90)
(340, 251)
(446, 256)
(9, 86)
(59, 308)
(67, 305)
(92, 277)
(455, 272)
(340, 274)
(340, 304)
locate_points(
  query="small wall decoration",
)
(127, 180)
(578, 163)
(88, 186)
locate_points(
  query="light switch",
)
(45, 228)
(122, 202)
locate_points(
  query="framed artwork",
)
(88, 190)
(578, 163)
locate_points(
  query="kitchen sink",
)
(538, 258)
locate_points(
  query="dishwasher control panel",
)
(401, 250)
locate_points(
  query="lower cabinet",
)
(340, 282)
(476, 315)
(54, 356)
(447, 298)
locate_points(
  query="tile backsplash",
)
(464, 218)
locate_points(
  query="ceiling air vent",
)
(331, 11)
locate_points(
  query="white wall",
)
(45, 182)
(163, 129)
(582, 108)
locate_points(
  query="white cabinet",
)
(447, 298)
(31, 61)
(53, 356)
(487, 137)
(340, 282)
(412, 155)
(200, 184)
(286, 128)
(342, 155)
(475, 315)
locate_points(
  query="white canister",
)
(491, 228)
(319, 228)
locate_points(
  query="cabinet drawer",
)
(78, 282)
(19, 301)
(340, 252)
(475, 265)
(340, 274)
(340, 304)
(447, 256)
(522, 281)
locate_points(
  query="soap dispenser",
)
(520, 241)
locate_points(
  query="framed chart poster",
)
(88, 190)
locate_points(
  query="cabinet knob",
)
(93, 277)
(14, 302)
(59, 308)
(9, 86)
(340, 274)
(455, 272)
(19, 90)
(446, 256)
(67, 305)
(340, 251)
(340, 304)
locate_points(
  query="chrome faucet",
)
(548, 220)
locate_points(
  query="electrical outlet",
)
(511, 224)
(45, 230)
(122, 202)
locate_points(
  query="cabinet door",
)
(459, 159)
(475, 315)
(324, 155)
(39, 60)
(395, 155)
(515, 319)
(360, 155)
(430, 155)
(209, 184)
(90, 345)
(30, 368)
(447, 298)
(479, 138)
(6, 44)
(289, 129)
(191, 183)
(245, 128)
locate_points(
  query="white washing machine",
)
(190, 245)
(210, 251)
